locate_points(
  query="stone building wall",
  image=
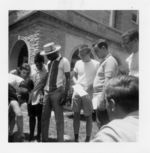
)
(70, 30)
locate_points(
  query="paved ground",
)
(68, 120)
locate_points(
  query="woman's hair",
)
(38, 58)
(25, 66)
(125, 91)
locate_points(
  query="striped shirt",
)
(57, 70)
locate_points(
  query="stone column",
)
(112, 18)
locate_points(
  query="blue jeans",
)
(51, 101)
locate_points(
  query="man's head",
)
(51, 51)
(52, 56)
(25, 70)
(130, 40)
(84, 53)
(101, 48)
(122, 96)
(39, 61)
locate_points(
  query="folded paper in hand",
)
(79, 90)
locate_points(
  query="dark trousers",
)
(35, 111)
(52, 101)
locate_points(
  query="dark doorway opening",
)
(23, 55)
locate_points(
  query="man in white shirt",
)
(122, 103)
(84, 72)
(130, 40)
(107, 70)
(55, 90)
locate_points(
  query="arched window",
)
(18, 55)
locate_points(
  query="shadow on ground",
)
(14, 138)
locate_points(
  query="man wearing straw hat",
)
(55, 91)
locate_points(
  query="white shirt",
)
(133, 64)
(37, 76)
(120, 130)
(63, 67)
(107, 69)
(15, 80)
(86, 72)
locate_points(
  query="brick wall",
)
(123, 20)
(30, 35)
(98, 15)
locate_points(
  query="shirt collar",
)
(58, 58)
(109, 54)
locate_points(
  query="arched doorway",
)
(18, 55)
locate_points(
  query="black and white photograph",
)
(75, 78)
(73, 75)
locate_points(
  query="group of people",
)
(98, 88)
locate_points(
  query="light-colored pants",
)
(51, 101)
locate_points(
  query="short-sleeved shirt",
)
(119, 130)
(107, 69)
(86, 72)
(133, 64)
(37, 75)
(63, 67)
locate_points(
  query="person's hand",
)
(63, 99)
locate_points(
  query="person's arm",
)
(67, 85)
(74, 76)
(110, 69)
(75, 73)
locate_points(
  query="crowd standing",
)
(98, 89)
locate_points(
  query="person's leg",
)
(19, 118)
(46, 113)
(32, 121)
(76, 125)
(76, 107)
(59, 116)
(39, 128)
(11, 120)
(88, 127)
(39, 114)
(88, 109)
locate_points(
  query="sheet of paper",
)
(79, 90)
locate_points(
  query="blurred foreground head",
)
(122, 96)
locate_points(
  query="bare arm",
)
(67, 85)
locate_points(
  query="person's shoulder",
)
(128, 59)
(94, 61)
(64, 59)
(44, 68)
(79, 62)
(111, 59)
(107, 133)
